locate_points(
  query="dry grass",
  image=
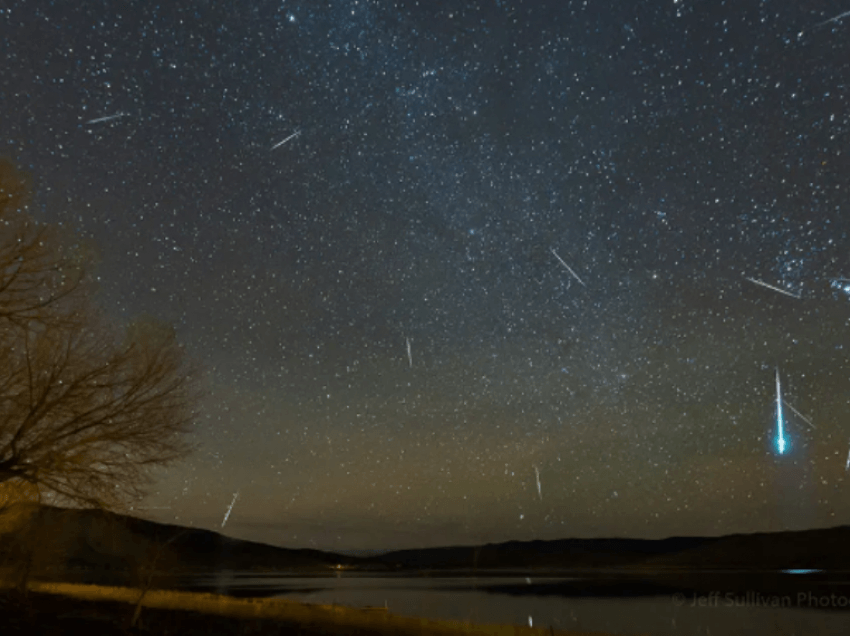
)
(256, 615)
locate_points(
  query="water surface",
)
(727, 604)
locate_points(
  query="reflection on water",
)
(731, 603)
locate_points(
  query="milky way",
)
(438, 258)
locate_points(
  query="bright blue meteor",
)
(780, 421)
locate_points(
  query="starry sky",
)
(464, 272)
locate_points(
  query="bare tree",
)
(146, 569)
(84, 413)
(37, 270)
(18, 506)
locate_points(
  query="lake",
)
(801, 603)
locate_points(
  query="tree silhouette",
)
(37, 270)
(85, 413)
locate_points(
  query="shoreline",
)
(283, 612)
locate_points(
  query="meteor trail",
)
(537, 476)
(820, 24)
(292, 136)
(847, 465)
(107, 118)
(235, 495)
(569, 269)
(409, 354)
(780, 424)
(835, 19)
(805, 419)
(776, 289)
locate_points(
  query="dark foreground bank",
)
(38, 613)
(56, 609)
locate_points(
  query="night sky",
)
(464, 272)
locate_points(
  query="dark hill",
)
(561, 553)
(823, 549)
(827, 549)
(62, 541)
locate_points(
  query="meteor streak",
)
(537, 476)
(780, 424)
(805, 419)
(569, 269)
(292, 136)
(776, 289)
(835, 19)
(107, 118)
(235, 495)
(409, 354)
